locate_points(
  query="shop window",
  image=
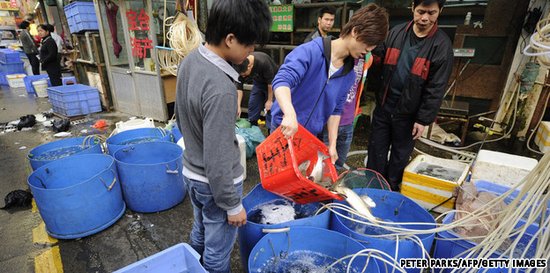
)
(116, 45)
(159, 16)
(140, 30)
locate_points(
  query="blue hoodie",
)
(315, 97)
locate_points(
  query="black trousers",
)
(35, 63)
(390, 132)
(54, 73)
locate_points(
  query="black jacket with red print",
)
(424, 91)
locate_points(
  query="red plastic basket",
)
(278, 161)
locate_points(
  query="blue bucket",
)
(252, 232)
(391, 207)
(51, 151)
(306, 246)
(136, 136)
(78, 196)
(150, 174)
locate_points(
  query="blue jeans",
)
(343, 143)
(256, 103)
(212, 237)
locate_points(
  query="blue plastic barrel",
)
(298, 247)
(78, 196)
(150, 174)
(390, 207)
(136, 136)
(252, 232)
(52, 151)
(176, 259)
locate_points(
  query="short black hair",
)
(241, 68)
(328, 9)
(440, 3)
(46, 27)
(24, 25)
(249, 20)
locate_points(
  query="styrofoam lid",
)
(509, 160)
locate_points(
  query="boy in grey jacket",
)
(206, 107)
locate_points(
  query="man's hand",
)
(239, 112)
(289, 125)
(268, 105)
(333, 154)
(237, 220)
(417, 131)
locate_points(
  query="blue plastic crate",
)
(179, 258)
(9, 56)
(3, 80)
(30, 79)
(68, 80)
(74, 100)
(79, 26)
(78, 8)
(12, 68)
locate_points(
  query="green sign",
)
(283, 18)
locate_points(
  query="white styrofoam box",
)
(134, 123)
(501, 168)
(542, 139)
(242, 148)
(16, 80)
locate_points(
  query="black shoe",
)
(61, 125)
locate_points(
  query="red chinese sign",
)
(140, 22)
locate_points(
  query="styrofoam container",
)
(501, 168)
(430, 191)
(135, 123)
(41, 88)
(16, 80)
(542, 139)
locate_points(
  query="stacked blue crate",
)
(74, 100)
(10, 63)
(81, 16)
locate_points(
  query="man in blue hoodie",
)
(311, 85)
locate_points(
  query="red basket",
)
(278, 161)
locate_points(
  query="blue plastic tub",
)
(78, 196)
(71, 80)
(150, 174)
(9, 56)
(176, 259)
(136, 136)
(252, 232)
(52, 151)
(28, 80)
(285, 250)
(391, 207)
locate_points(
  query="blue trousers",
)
(343, 143)
(212, 237)
(256, 103)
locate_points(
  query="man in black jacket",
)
(324, 23)
(414, 65)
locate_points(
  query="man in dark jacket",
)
(324, 23)
(29, 47)
(416, 61)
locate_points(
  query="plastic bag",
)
(253, 136)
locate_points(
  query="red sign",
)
(139, 22)
(140, 47)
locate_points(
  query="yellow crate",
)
(430, 191)
(542, 138)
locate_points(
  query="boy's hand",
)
(289, 126)
(333, 154)
(237, 219)
(268, 105)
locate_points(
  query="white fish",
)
(356, 202)
(317, 171)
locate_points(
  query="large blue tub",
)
(299, 248)
(150, 174)
(390, 207)
(252, 232)
(78, 196)
(51, 151)
(136, 136)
